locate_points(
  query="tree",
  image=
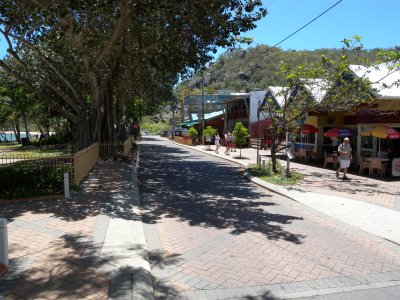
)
(324, 86)
(87, 59)
(241, 134)
(193, 133)
(209, 132)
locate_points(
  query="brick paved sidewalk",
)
(248, 243)
(323, 181)
(55, 245)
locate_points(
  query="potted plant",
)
(241, 134)
(193, 134)
(209, 132)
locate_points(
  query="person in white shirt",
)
(345, 156)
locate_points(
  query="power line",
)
(289, 36)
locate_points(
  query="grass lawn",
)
(275, 178)
(13, 149)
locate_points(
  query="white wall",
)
(254, 98)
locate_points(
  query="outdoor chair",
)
(303, 154)
(364, 164)
(329, 159)
(376, 165)
(296, 155)
(312, 155)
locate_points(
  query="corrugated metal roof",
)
(385, 78)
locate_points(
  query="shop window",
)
(366, 142)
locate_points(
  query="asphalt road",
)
(212, 234)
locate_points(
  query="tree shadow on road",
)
(109, 181)
(207, 192)
(74, 270)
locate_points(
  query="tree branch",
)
(53, 105)
(76, 93)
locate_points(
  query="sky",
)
(376, 21)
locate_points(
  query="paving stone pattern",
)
(307, 254)
(54, 245)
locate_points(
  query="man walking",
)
(344, 152)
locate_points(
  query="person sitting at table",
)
(344, 152)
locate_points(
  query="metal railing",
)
(79, 164)
(115, 150)
(37, 159)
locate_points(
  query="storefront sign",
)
(396, 167)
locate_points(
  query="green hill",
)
(257, 67)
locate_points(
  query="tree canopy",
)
(87, 59)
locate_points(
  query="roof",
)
(317, 88)
(236, 96)
(279, 94)
(385, 78)
(207, 117)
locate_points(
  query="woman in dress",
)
(216, 141)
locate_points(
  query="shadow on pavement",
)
(74, 270)
(178, 183)
(94, 197)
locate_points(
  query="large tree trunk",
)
(26, 127)
(273, 156)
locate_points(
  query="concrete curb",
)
(142, 287)
(373, 216)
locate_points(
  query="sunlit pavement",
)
(210, 233)
(214, 235)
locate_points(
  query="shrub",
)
(193, 133)
(28, 179)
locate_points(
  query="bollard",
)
(3, 242)
(263, 164)
(282, 172)
(270, 169)
(66, 186)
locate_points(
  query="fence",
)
(115, 150)
(37, 159)
(78, 165)
(84, 161)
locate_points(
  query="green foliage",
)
(58, 138)
(28, 179)
(241, 134)
(193, 133)
(153, 127)
(209, 131)
(87, 60)
(261, 64)
(274, 178)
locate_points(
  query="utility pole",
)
(259, 134)
(202, 107)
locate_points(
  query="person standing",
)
(232, 145)
(227, 144)
(208, 142)
(345, 156)
(217, 141)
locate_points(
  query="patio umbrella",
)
(382, 132)
(307, 128)
(340, 132)
(385, 132)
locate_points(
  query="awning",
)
(188, 124)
